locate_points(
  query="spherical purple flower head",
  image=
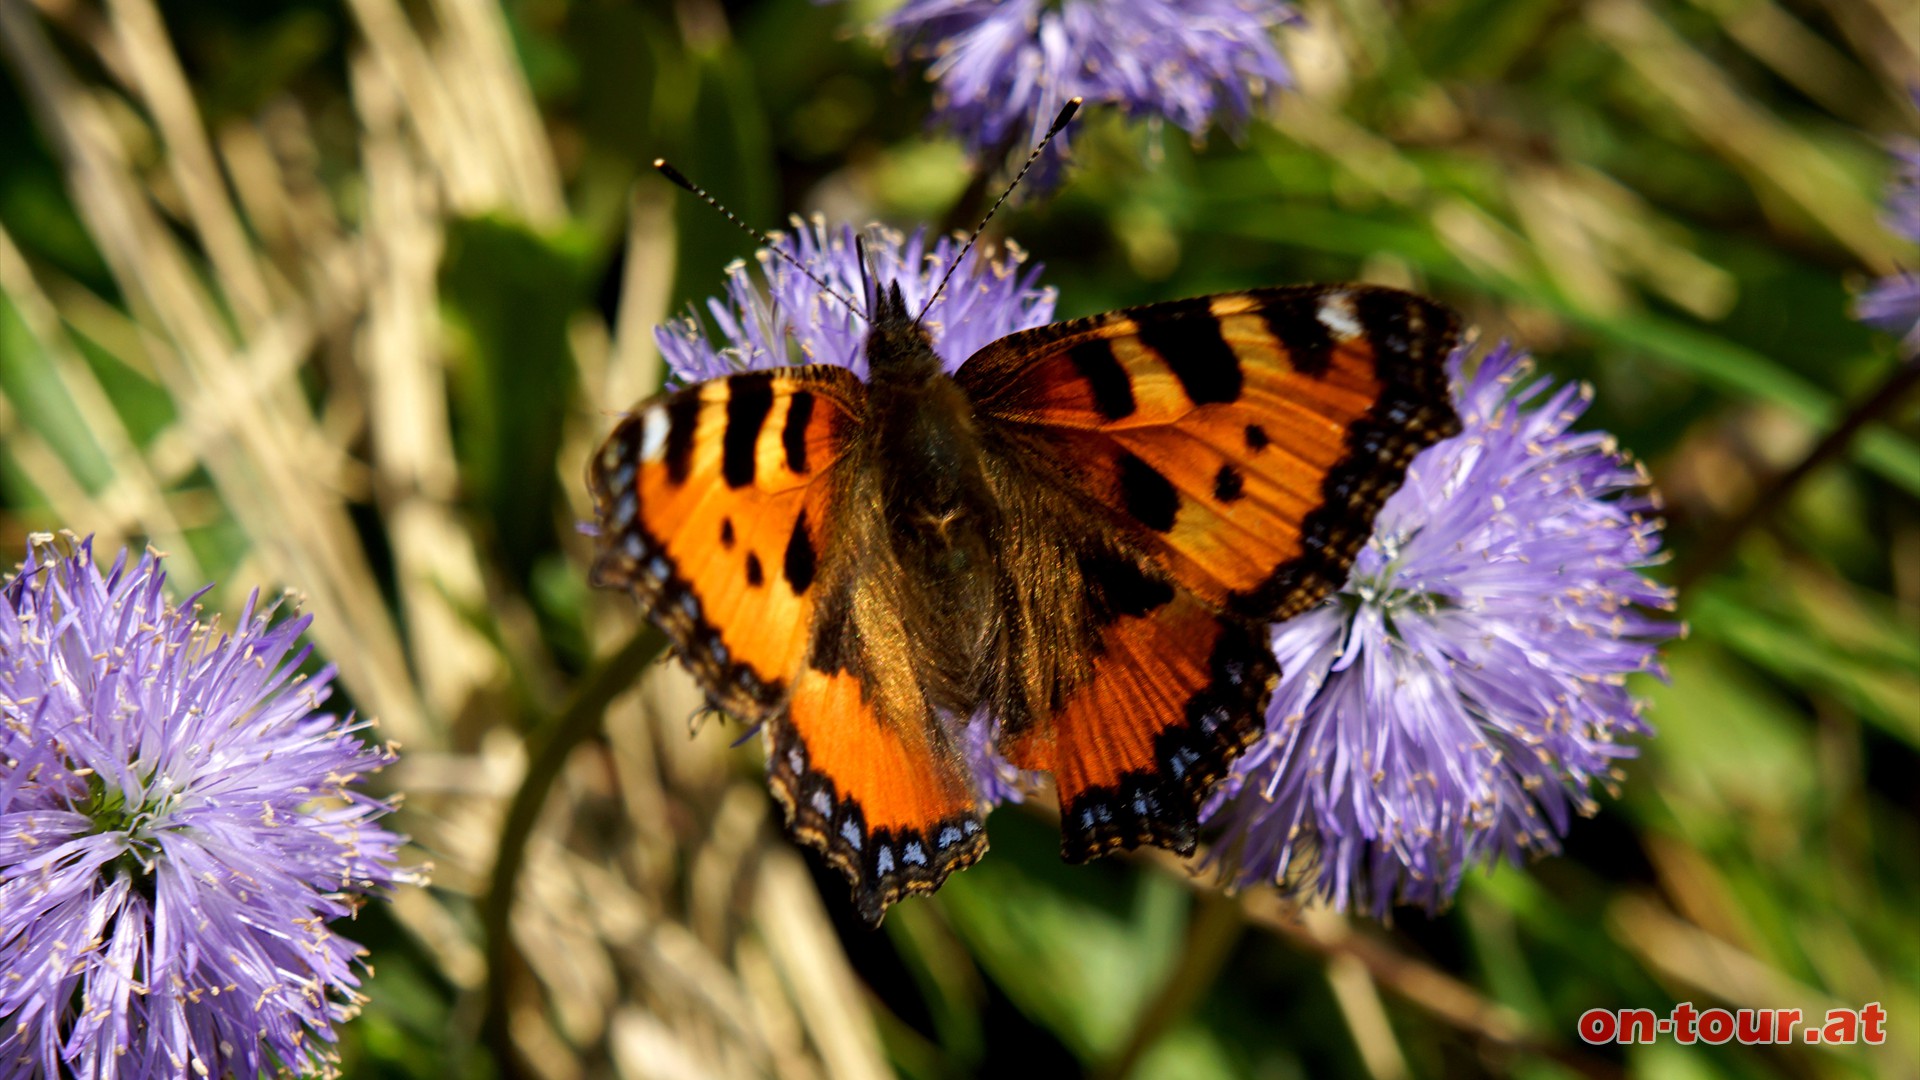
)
(794, 321)
(177, 828)
(1456, 700)
(1893, 303)
(1004, 68)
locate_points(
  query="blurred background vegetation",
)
(337, 298)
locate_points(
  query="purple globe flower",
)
(1456, 701)
(794, 321)
(1893, 303)
(1004, 68)
(178, 825)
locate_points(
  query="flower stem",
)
(1213, 932)
(1876, 403)
(550, 746)
(1442, 996)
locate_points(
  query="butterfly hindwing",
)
(712, 502)
(1244, 440)
(884, 798)
(866, 770)
(1172, 693)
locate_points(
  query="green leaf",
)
(1079, 949)
(1876, 676)
(510, 293)
(28, 381)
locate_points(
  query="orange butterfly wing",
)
(1242, 444)
(711, 502)
(1174, 694)
(884, 798)
(720, 511)
(1245, 440)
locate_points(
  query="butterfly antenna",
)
(680, 178)
(1059, 122)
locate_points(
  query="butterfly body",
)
(1080, 534)
(936, 509)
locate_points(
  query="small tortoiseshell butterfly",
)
(1084, 531)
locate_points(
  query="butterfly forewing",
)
(1245, 440)
(711, 502)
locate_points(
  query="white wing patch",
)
(1337, 314)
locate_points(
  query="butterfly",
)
(1084, 531)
